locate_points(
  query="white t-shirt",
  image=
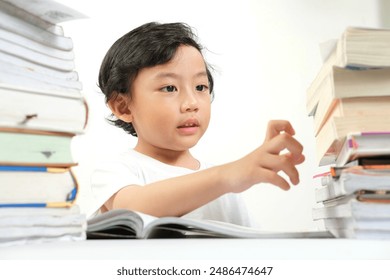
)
(134, 168)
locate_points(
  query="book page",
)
(206, 228)
(119, 223)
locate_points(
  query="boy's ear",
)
(120, 108)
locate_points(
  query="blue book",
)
(37, 186)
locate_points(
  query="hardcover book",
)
(37, 186)
(22, 108)
(357, 48)
(35, 148)
(342, 83)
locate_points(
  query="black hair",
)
(148, 45)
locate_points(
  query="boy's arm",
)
(171, 197)
(180, 195)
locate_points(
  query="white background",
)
(265, 53)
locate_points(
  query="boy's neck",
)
(175, 158)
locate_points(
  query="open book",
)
(126, 224)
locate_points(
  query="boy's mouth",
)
(189, 123)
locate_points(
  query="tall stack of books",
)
(349, 101)
(41, 109)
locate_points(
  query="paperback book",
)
(362, 215)
(355, 179)
(333, 134)
(371, 147)
(25, 225)
(126, 224)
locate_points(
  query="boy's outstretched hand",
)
(176, 196)
(279, 152)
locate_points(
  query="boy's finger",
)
(285, 164)
(284, 141)
(275, 127)
(274, 179)
(297, 158)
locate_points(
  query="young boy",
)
(159, 89)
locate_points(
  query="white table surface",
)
(201, 249)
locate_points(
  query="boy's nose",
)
(190, 102)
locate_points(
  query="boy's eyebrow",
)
(174, 75)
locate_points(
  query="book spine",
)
(61, 204)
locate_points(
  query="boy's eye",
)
(201, 88)
(169, 89)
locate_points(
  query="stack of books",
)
(41, 109)
(349, 102)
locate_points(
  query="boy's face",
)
(170, 106)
